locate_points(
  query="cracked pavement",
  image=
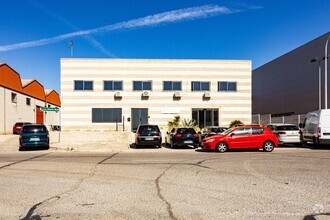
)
(165, 184)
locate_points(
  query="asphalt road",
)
(165, 184)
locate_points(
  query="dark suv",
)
(182, 137)
(33, 136)
(148, 135)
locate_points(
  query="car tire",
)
(268, 146)
(159, 146)
(222, 147)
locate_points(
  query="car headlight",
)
(209, 140)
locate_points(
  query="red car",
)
(242, 137)
(17, 127)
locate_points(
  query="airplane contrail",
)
(148, 21)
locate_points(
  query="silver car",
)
(287, 133)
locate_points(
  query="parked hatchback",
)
(287, 133)
(17, 127)
(148, 135)
(33, 136)
(242, 137)
(182, 137)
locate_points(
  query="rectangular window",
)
(80, 85)
(28, 101)
(13, 97)
(227, 86)
(141, 85)
(200, 86)
(172, 86)
(112, 85)
(106, 115)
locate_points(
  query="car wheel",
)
(268, 146)
(159, 146)
(222, 147)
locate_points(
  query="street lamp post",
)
(319, 61)
(326, 73)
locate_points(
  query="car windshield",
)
(287, 128)
(34, 129)
(216, 130)
(186, 131)
(227, 131)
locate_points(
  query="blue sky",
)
(35, 34)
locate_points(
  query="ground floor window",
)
(206, 117)
(106, 115)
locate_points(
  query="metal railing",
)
(269, 119)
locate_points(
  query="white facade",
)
(161, 106)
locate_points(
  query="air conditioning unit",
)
(118, 94)
(177, 94)
(146, 93)
(207, 95)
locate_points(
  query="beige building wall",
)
(77, 105)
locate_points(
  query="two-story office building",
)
(106, 94)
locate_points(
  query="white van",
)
(316, 127)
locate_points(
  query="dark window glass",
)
(186, 131)
(88, 85)
(137, 85)
(205, 86)
(215, 117)
(287, 128)
(177, 86)
(79, 85)
(108, 85)
(146, 86)
(118, 85)
(34, 129)
(196, 86)
(232, 86)
(148, 130)
(223, 86)
(257, 131)
(106, 115)
(28, 101)
(243, 131)
(167, 86)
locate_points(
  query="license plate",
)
(188, 142)
(34, 139)
(149, 138)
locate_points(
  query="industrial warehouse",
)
(23, 100)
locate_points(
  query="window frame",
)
(83, 85)
(112, 116)
(28, 101)
(113, 85)
(143, 89)
(172, 85)
(227, 86)
(14, 97)
(200, 86)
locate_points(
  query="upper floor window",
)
(81, 85)
(200, 86)
(13, 97)
(227, 86)
(28, 101)
(172, 86)
(141, 85)
(112, 85)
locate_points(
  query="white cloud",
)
(152, 20)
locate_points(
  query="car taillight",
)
(20, 137)
(178, 135)
(159, 134)
(137, 134)
(196, 136)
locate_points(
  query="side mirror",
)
(301, 125)
(232, 134)
(167, 132)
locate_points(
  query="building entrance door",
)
(39, 115)
(206, 117)
(139, 116)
